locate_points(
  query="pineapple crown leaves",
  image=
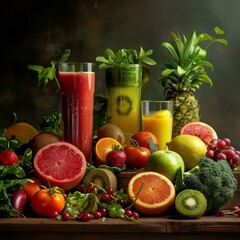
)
(124, 56)
(185, 68)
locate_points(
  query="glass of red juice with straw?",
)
(77, 84)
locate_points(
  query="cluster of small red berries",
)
(235, 211)
(110, 205)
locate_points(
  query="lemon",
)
(190, 148)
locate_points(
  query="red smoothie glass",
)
(77, 84)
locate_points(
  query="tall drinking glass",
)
(157, 118)
(124, 95)
(77, 84)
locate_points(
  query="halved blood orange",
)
(154, 192)
(60, 164)
(201, 130)
(103, 147)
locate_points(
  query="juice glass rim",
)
(74, 66)
(157, 101)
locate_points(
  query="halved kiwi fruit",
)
(101, 177)
(190, 203)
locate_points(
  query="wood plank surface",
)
(209, 227)
(162, 227)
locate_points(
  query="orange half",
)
(103, 147)
(155, 193)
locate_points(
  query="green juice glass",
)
(124, 84)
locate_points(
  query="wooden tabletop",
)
(209, 227)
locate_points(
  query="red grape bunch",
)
(220, 149)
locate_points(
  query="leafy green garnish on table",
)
(7, 187)
(48, 74)
(124, 56)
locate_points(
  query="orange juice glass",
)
(157, 118)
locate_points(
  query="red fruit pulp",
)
(77, 89)
(60, 164)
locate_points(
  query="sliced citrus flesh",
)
(60, 164)
(201, 130)
(103, 147)
(23, 131)
(155, 193)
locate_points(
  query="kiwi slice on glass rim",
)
(190, 203)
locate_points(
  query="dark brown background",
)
(34, 31)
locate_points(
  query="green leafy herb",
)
(125, 56)
(48, 74)
(7, 187)
(52, 123)
(100, 112)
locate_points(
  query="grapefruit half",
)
(60, 164)
(154, 192)
(201, 130)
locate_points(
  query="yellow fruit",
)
(23, 131)
(190, 148)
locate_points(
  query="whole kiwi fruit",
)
(113, 131)
(41, 140)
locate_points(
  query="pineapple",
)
(184, 72)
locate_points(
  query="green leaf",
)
(222, 40)
(64, 55)
(188, 48)
(180, 71)
(48, 74)
(167, 72)
(217, 30)
(124, 56)
(206, 79)
(171, 50)
(102, 59)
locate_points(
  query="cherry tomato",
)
(136, 156)
(46, 202)
(143, 139)
(30, 188)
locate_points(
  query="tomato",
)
(30, 188)
(136, 156)
(46, 202)
(143, 139)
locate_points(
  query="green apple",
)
(165, 162)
